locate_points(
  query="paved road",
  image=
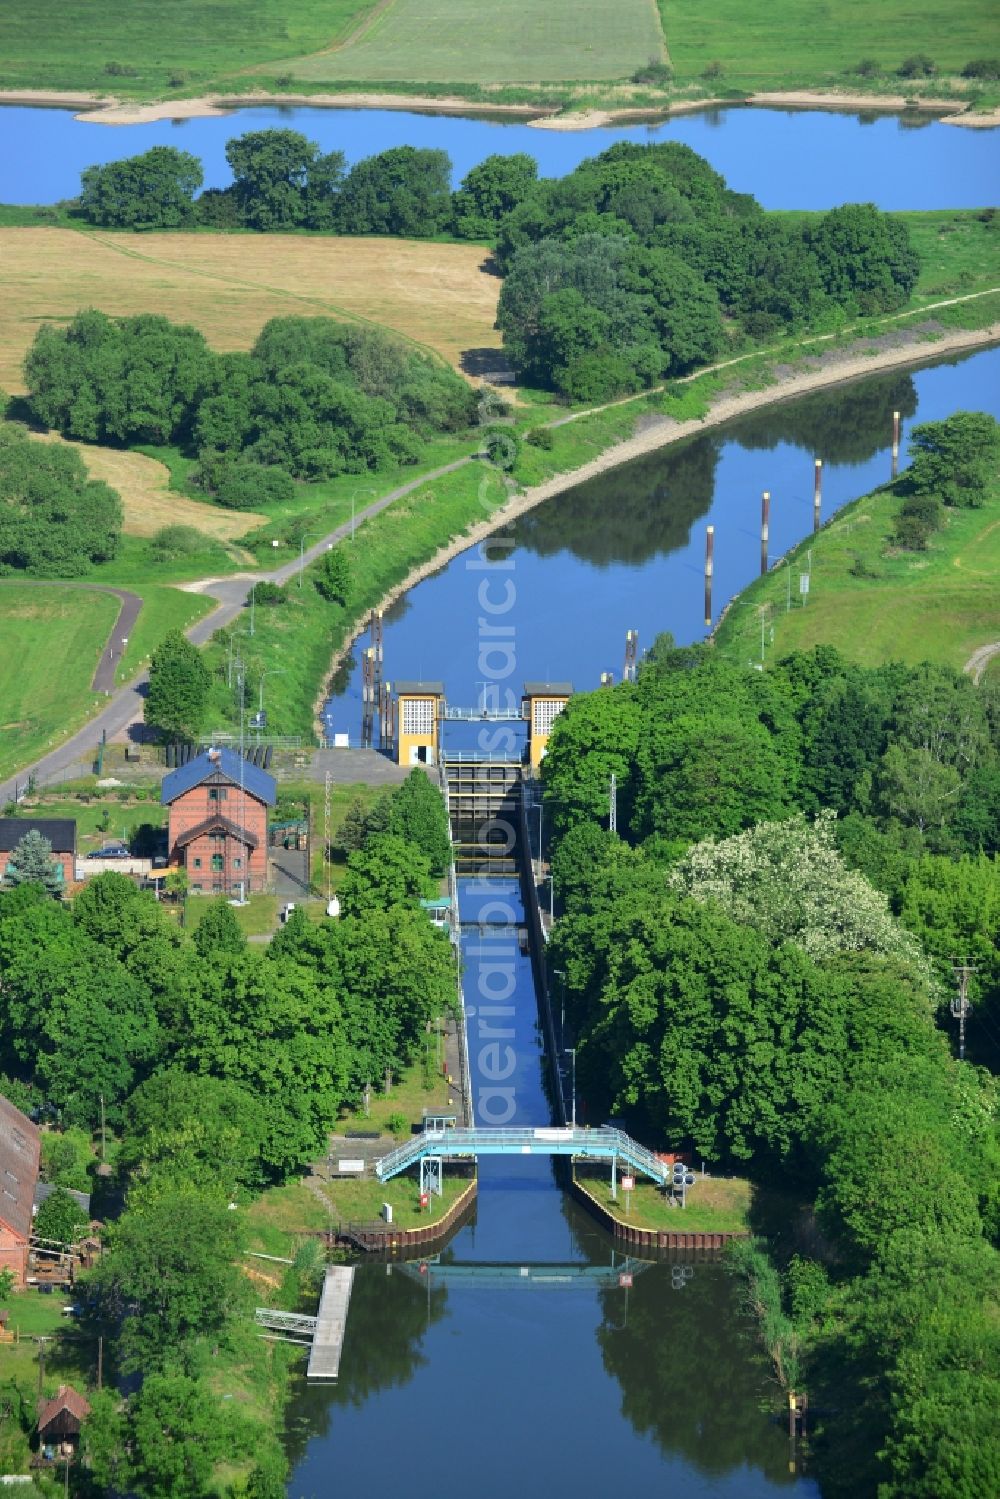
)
(128, 613)
(125, 706)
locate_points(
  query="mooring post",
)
(765, 517)
(709, 566)
(817, 491)
(895, 442)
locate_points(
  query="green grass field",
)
(507, 41)
(53, 637)
(714, 1204)
(797, 43)
(875, 603)
(69, 44)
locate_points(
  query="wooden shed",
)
(60, 1419)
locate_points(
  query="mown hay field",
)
(148, 502)
(503, 41)
(229, 285)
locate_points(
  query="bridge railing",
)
(600, 1144)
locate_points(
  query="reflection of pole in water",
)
(817, 491)
(765, 517)
(709, 567)
(895, 443)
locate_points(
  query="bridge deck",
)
(331, 1321)
(594, 1144)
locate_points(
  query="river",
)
(787, 159)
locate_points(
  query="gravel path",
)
(980, 659)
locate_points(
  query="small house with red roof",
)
(20, 1150)
(60, 1419)
(217, 827)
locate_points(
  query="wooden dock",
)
(331, 1321)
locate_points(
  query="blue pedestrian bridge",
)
(611, 1145)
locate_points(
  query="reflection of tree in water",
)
(340, 681)
(386, 1323)
(688, 1372)
(847, 425)
(631, 513)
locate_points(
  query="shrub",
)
(397, 1124)
(926, 507)
(171, 542)
(60, 1217)
(120, 70)
(270, 593)
(918, 65)
(912, 533)
(868, 68)
(713, 69)
(655, 72)
(500, 446)
(244, 486)
(982, 67)
(542, 437)
(177, 78)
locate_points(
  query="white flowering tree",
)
(789, 881)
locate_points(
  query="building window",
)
(218, 862)
(196, 887)
(545, 712)
(216, 887)
(419, 715)
(197, 863)
(237, 863)
(218, 793)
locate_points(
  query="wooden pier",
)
(331, 1321)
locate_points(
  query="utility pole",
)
(613, 805)
(41, 1363)
(104, 1134)
(960, 1005)
(326, 835)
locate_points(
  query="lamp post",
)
(560, 974)
(253, 601)
(302, 550)
(571, 1052)
(269, 671)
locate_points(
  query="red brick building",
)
(20, 1149)
(217, 829)
(60, 832)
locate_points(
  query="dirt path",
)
(980, 660)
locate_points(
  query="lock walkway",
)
(604, 1144)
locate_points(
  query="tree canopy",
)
(55, 521)
(152, 191)
(178, 688)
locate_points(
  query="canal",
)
(495, 1383)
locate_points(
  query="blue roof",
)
(259, 784)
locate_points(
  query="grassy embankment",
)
(873, 601)
(714, 1204)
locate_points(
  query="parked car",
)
(111, 851)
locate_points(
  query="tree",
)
(218, 933)
(60, 1217)
(954, 459)
(492, 189)
(177, 1287)
(194, 1126)
(101, 379)
(55, 521)
(387, 871)
(865, 258)
(595, 736)
(178, 688)
(152, 191)
(31, 862)
(175, 1430)
(7, 1283)
(403, 191)
(333, 576)
(270, 173)
(788, 880)
(418, 815)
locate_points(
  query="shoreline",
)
(839, 369)
(97, 109)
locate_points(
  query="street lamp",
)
(571, 1052)
(302, 550)
(560, 974)
(253, 590)
(269, 671)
